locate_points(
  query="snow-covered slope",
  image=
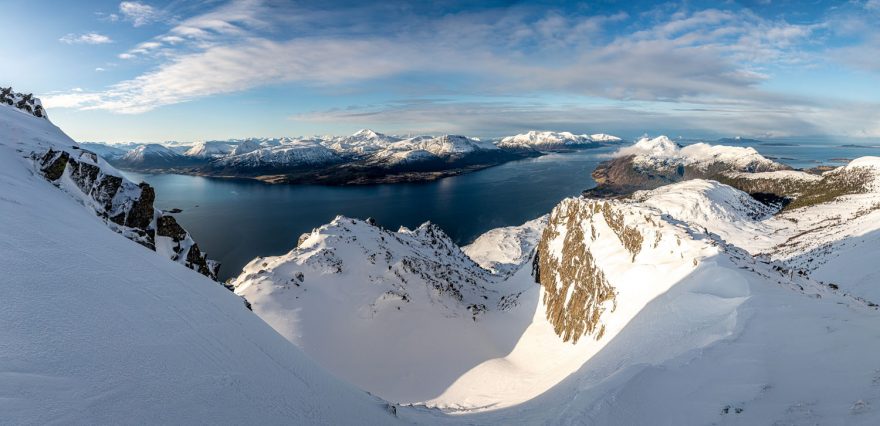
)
(100, 330)
(504, 250)
(553, 140)
(210, 149)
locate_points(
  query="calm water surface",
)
(237, 220)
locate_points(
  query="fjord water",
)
(236, 220)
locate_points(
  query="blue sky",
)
(214, 69)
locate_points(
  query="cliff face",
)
(125, 207)
(576, 292)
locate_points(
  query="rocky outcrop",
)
(126, 207)
(25, 102)
(576, 290)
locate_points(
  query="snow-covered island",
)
(688, 301)
(365, 157)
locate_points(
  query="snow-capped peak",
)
(367, 134)
(661, 146)
(146, 151)
(662, 152)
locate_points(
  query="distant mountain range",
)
(362, 158)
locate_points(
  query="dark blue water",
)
(237, 220)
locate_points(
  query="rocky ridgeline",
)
(126, 207)
(398, 265)
(25, 102)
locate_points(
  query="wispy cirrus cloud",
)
(709, 59)
(139, 13)
(86, 38)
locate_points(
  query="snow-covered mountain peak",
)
(210, 149)
(658, 147)
(367, 134)
(145, 151)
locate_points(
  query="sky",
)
(163, 70)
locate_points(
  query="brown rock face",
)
(575, 288)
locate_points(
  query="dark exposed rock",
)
(141, 213)
(167, 226)
(25, 102)
(53, 163)
(197, 261)
(128, 207)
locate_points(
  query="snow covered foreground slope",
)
(99, 330)
(645, 314)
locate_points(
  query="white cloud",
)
(138, 13)
(872, 5)
(713, 61)
(86, 38)
(99, 69)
